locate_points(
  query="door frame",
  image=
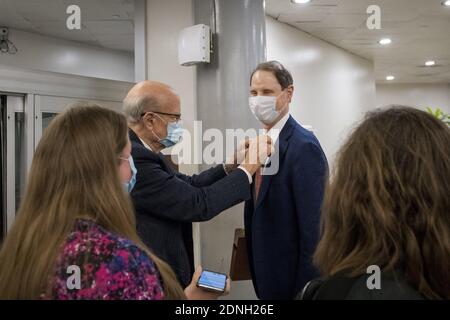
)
(14, 105)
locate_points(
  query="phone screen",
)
(212, 280)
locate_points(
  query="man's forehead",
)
(264, 78)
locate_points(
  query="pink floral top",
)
(110, 267)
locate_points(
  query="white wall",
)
(140, 36)
(165, 19)
(419, 95)
(56, 55)
(332, 88)
(162, 54)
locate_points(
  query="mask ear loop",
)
(285, 100)
(162, 121)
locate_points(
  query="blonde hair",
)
(74, 175)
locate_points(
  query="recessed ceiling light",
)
(390, 78)
(385, 41)
(446, 3)
(300, 1)
(431, 62)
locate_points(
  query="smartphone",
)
(212, 281)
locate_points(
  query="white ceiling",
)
(419, 29)
(106, 23)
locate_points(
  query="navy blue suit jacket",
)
(165, 201)
(282, 228)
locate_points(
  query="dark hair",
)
(283, 76)
(388, 203)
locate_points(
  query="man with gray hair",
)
(165, 201)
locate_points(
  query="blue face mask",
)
(174, 134)
(130, 184)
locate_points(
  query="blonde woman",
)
(76, 214)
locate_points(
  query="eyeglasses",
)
(176, 115)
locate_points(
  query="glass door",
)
(13, 156)
(23, 117)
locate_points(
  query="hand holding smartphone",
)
(212, 281)
(207, 285)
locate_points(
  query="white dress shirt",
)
(145, 145)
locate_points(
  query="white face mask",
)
(264, 108)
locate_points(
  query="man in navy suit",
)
(282, 217)
(167, 202)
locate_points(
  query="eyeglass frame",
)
(177, 115)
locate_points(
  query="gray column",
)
(238, 28)
(239, 44)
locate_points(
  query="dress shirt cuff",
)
(249, 176)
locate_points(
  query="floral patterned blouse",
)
(110, 267)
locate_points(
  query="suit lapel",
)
(134, 137)
(275, 160)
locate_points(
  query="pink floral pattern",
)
(111, 267)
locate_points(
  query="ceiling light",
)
(300, 1)
(385, 41)
(431, 62)
(446, 3)
(390, 78)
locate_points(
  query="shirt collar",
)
(145, 145)
(274, 132)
